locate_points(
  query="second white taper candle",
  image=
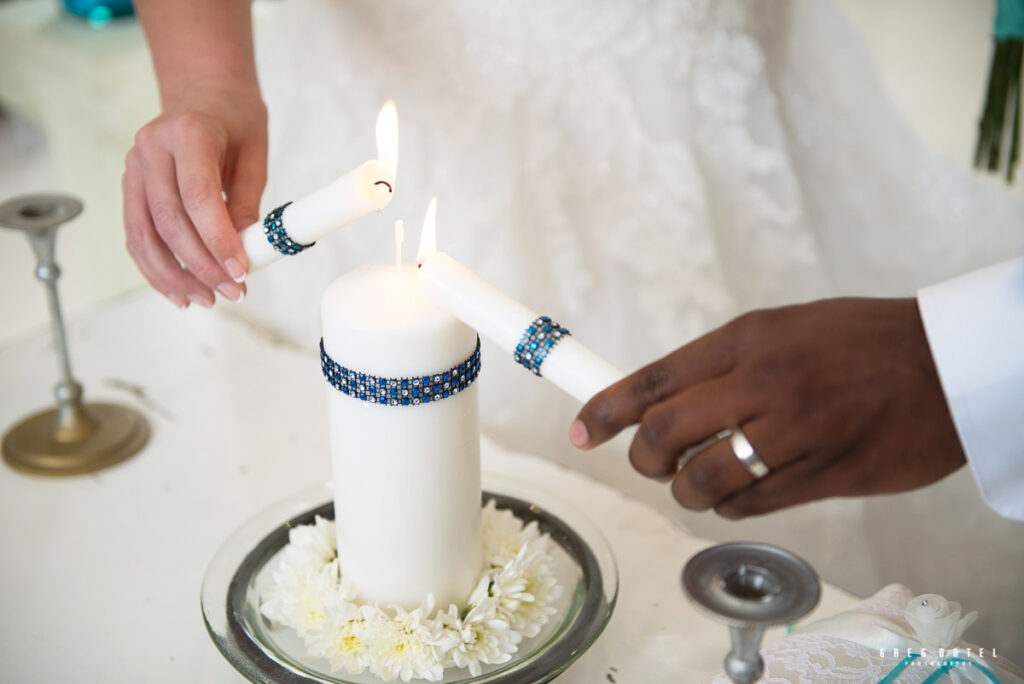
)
(570, 365)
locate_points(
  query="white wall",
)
(933, 58)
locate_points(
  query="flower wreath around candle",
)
(537, 342)
(414, 391)
(513, 599)
(277, 236)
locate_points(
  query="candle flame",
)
(387, 143)
(428, 236)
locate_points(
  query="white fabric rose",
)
(937, 621)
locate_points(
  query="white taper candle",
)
(570, 365)
(359, 192)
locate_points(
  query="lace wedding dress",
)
(640, 171)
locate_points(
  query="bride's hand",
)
(837, 397)
(212, 143)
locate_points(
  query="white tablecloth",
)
(101, 573)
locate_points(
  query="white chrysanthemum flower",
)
(296, 564)
(526, 589)
(479, 638)
(321, 539)
(316, 543)
(481, 597)
(445, 625)
(503, 534)
(405, 645)
(301, 600)
(339, 641)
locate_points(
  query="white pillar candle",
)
(363, 190)
(570, 365)
(406, 478)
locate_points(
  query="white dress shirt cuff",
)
(975, 328)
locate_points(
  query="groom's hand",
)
(837, 397)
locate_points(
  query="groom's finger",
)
(806, 479)
(625, 402)
(715, 474)
(686, 419)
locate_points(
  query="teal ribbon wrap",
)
(1009, 20)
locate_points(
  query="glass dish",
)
(264, 652)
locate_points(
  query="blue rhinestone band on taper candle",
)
(414, 391)
(277, 236)
(537, 342)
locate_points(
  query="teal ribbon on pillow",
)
(940, 671)
(1009, 19)
(953, 662)
(898, 669)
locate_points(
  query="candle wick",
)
(390, 189)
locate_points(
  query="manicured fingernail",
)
(578, 433)
(234, 268)
(231, 291)
(178, 301)
(201, 301)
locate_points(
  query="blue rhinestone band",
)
(537, 342)
(277, 236)
(400, 391)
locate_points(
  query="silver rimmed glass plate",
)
(265, 652)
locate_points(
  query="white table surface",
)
(101, 573)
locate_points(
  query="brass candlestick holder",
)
(75, 437)
(750, 587)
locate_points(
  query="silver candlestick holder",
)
(74, 437)
(750, 586)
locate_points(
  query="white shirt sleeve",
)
(975, 327)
